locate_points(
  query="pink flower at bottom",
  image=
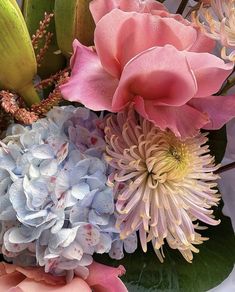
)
(101, 279)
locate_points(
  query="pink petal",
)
(99, 8)
(220, 109)
(14, 289)
(210, 72)
(75, 285)
(36, 274)
(89, 84)
(184, 121)
(161, 75)
(141, 6)
(120, 36)
(10, 280)
(104, 278)
(203, 44)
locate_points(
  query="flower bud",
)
(17, 58)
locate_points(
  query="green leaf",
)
(33, 11)
(209, 268)
(218, 142)
(73, 20)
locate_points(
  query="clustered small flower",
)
(56, 209)
(73, 184)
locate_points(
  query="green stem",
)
(182, 6)
(229, 84)
(29, 95)
(226, 167)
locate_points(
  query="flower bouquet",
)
(113, 127)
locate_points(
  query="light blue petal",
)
(103, 202)
(43, 151)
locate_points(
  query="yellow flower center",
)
(168, 160)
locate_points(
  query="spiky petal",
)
(217, 20)
(162, 184)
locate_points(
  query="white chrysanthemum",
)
(163, 185)
(217, 20)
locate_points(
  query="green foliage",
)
(209, 268)
(218, 142)
(73, 21)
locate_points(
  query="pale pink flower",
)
(101, 278)
(158, 63)
(217, 21)
(162, 185)
(101, 7)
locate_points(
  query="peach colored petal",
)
(36, 274)
(15, 289)
(75, 285)
(103, 278)
(120, 36)
(161, 75)
(89, 84)
(10, 280)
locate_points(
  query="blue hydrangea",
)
(56, 209)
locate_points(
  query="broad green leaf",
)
(218, 142)
(209, 268)
(73, 20)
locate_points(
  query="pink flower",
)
(159, 63)
(101, 278)
(101, 7)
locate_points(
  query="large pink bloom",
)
(101, 7)
(101, 279)
(156, 62)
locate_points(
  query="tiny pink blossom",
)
(158, 62)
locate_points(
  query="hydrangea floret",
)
(56, 209)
